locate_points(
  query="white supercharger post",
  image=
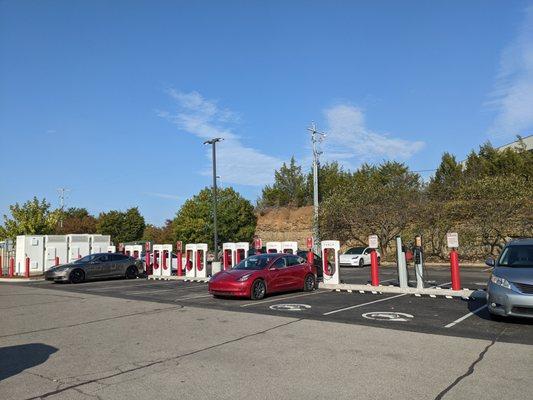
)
(289, 247)
(330, 275)
(111, 248)
(228, 255)
(136, 251)
(157, 251)
(166, 260)
(241, 251)
(190, 260)
(128, 249)
(200, 254)
(273, 247)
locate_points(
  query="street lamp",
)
(213, 143)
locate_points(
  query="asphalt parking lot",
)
(140, 339)
(441, 316)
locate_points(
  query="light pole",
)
(213, 143)
(316, 138)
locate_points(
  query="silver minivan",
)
(510, 287)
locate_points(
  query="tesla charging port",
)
(330, 258)
(289, 247)
(273, 247)
(241, 251)
(228, 251)
(190, 262)
(201, 260)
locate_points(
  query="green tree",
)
(330, 177)
(123, 227)
(236, 220)
(381, 200)
(289, 188)
(76, 220)
(448, 177)
(155, 234)
(34, 217)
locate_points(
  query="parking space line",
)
(451, 324)
(364, 304)
(283, 298)
(150, 291)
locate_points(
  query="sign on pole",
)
(147, 246)
(453, 240)
(179, 246)
(258, 243)
(373, 241)
(310, 243)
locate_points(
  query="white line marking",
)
(364, 304)
(151, 291)
(465, 317)
(283, 298)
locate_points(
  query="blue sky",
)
(114, 99)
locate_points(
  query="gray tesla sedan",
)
(510, 288)
(96, 266)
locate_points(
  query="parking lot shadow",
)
(15, 359)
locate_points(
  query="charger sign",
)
(258, 244)
(453, 240)
(373, 241)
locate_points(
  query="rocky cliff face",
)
(285, 224)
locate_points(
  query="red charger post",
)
(374, 272)
(11, 271)
(27, 268)
(180, 262)
(1, 267)
(454, 265)
(57, 261)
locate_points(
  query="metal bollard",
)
(374, 272)
(454, 266)
(27, 268)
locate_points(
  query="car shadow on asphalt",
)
(16, 359)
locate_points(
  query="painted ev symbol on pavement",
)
(290, 307)
(388, 316)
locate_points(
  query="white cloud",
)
(513, 94)
(348, 139)
(236, 162)
(164, 195)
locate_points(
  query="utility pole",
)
(316, 138)
(213, 143)
(62, 192)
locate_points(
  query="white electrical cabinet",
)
(78, 246)
(99, 243)
(55, 250)
(31, 247)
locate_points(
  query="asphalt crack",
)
(160, 361)
(471, 367)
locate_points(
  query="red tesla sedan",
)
(261, 274)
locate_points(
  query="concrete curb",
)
(21, 280)
(178, 278)
(431, 292)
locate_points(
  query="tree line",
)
(487, 199)
(193, 223)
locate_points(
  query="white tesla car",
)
(357, 257)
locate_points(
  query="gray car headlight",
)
(500, 281)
